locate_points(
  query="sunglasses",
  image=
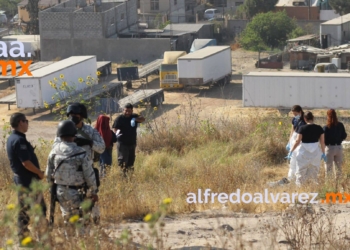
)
(25, 121)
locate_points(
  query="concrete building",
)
(43, 4)
(335, 32)
(299, 9)
(178, 11)
(76, 28)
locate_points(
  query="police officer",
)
(26, 169)
(68, 165)
(87, 137)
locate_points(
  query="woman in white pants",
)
(309, 155)
(297, 121)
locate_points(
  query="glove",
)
(118, 136)
(324, 157)
(82, 141)
(289, 156)
(133, 122)
(288, 147)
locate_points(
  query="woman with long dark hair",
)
(309, 154)
(102, 126)
(334, 133)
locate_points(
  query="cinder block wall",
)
(117, 50)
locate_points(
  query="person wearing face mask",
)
(88, 138)
(297, 121)
(125, 127)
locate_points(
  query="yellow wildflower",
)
(54, 86)
(88, 77)
(80, 80)
(104, 86)
(26, 241)
(155, 108)
(58, 105)
(280, 123)
(98, 73)
(9, 242)
(74, 218)
(167, 201)
(46, 105)
(141, 101)
(10, 206)
(88, 83)
(61, 76)
(64, 84)
(148, 217)
(55, 79)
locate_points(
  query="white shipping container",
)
(285, 89)
(205, 66)
(33, 91)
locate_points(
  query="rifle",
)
(53, 191)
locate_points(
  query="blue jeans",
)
(105, 160)
(106, 157)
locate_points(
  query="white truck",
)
(206, 66)
(33, 91)
(282, 90)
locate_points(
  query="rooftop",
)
(298, 74)
(308, 49)
(57, 66)
(338, 20)
(202, 53)
(303, 38)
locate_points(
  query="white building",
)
(335, 32)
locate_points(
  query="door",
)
(28, 93)
(324, 41)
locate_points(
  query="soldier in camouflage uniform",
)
(69, 167)
(87, 138)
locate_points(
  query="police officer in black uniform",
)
(26, 169)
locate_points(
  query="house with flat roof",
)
(335, 32)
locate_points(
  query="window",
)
(175, 2)
(154, 4)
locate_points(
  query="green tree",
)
(252, 7)
(33, 24)
(10, 6)
(267, 30)
(342, 7)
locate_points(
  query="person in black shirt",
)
(334, 133)
(125, 127)
(309, 155)
(25, 166)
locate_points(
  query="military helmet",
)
(66, 128)
(77, 108)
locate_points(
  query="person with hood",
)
(109, 137)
